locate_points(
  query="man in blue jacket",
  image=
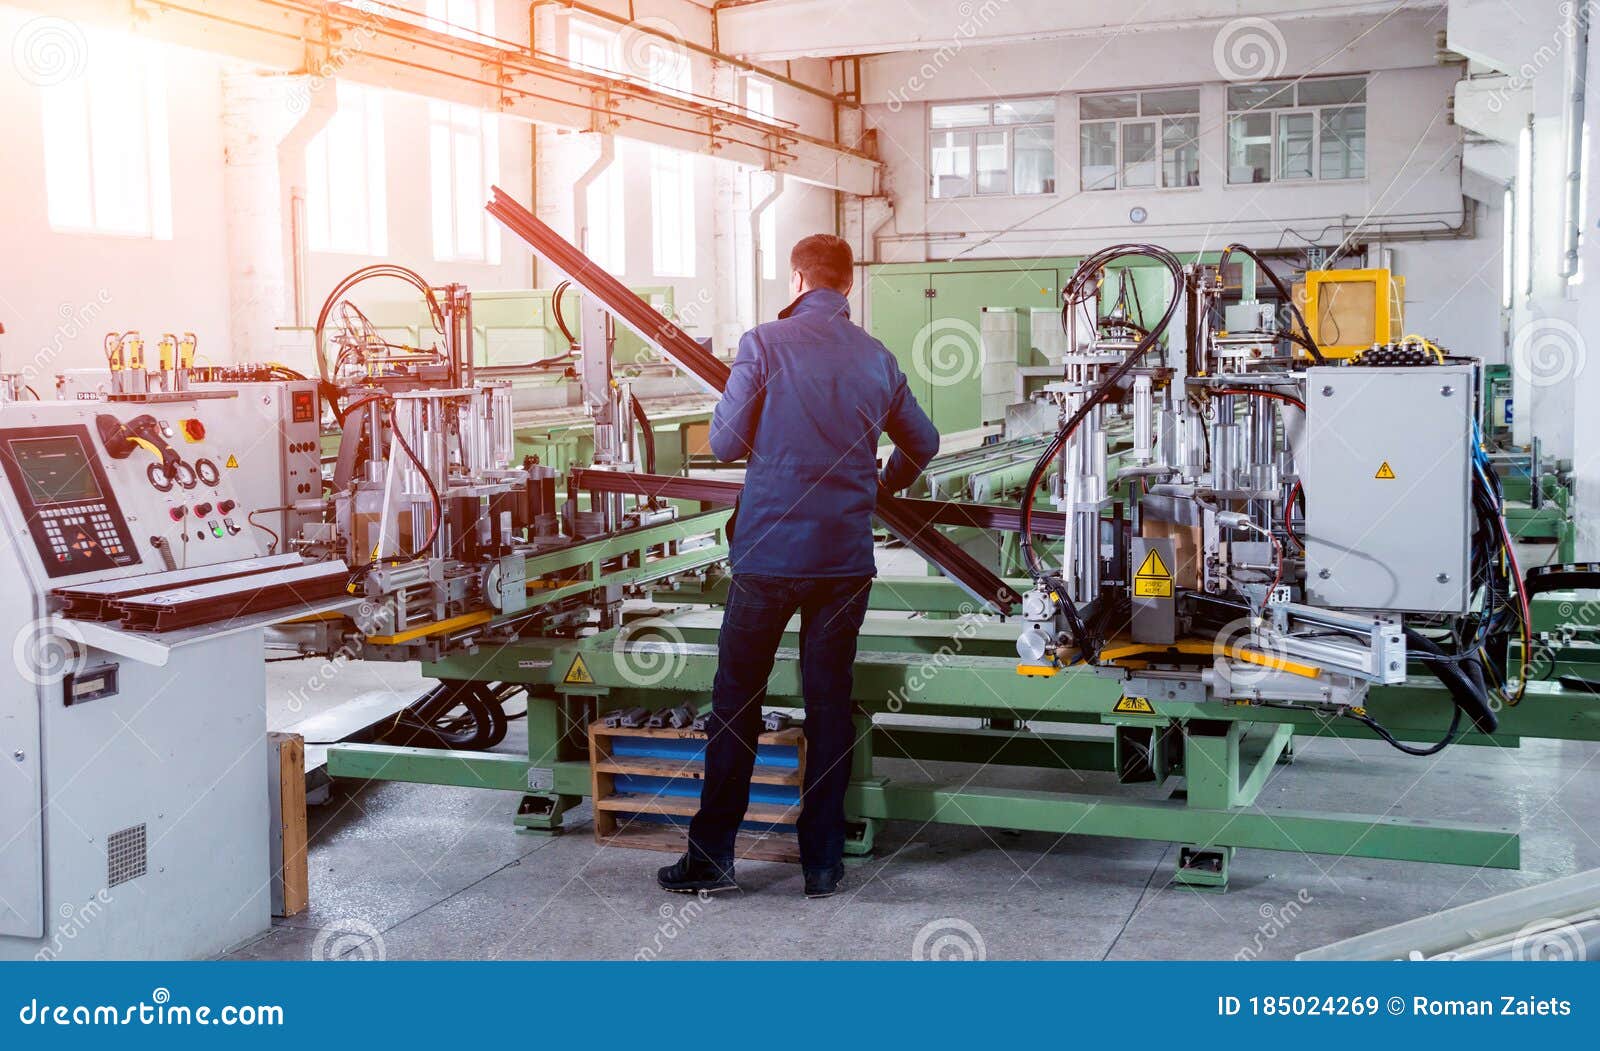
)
(808, 397)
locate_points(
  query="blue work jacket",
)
(808, 397)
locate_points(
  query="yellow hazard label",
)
(1385, 471)
(233, 462)
(1154, 579)
(579, 672)
(1133, 706)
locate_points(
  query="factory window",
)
(759, 102)
(992, 148)
(464, 155)
(672, 212)
(106, 156)
(1139, 139)
(468, 19)
(1296, 131)
(346, 197)
(592, 47)
(606, 241)
(666, 68)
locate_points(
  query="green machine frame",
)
(953, 663)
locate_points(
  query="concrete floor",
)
(423, 872)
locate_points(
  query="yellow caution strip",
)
(1145, 652)
(438, 627)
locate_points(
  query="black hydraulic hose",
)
(555, 308)
(438, 504)
(1088, 268)
(1462, 677)
(1449, 737)
(355, 278)
(1305, 339)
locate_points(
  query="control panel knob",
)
(177, 512)
(201, 510)
(225, 506)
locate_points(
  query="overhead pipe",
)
(699, 49)
(580, 192)
(757, 281)
(1572, 114)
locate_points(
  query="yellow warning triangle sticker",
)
(233, 462)
(1385, 471)
(1134, 706)
(1154, 579)
(579, 672)
(1153, 566)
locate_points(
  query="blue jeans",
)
(831, 611)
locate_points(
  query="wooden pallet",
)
(617, 813)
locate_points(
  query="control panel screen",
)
(55, 469)
(66, 499)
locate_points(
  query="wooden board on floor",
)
(291, 880)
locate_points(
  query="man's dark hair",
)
(825, 261)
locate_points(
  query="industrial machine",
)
(1247, 539)
(135, 811)
(1217, 537)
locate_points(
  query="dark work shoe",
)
(690, 875)
(824, 883)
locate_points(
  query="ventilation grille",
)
(125, 856)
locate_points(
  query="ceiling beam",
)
(773, 30)
(366, 45)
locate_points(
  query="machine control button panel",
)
(69, 507)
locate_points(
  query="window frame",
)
(373, 160)
(1006, 128)
(1157, 121)
(98, 161)
(1293, 108)
(664, 161)
(457, 123)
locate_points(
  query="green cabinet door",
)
(948, 355)
(898, 308)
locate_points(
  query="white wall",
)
(1413, 177)
(61, 293)
(1413, 181)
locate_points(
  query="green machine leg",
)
(1225, 767)
(551, 743)
(861, 832)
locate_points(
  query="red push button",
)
(193, 430)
